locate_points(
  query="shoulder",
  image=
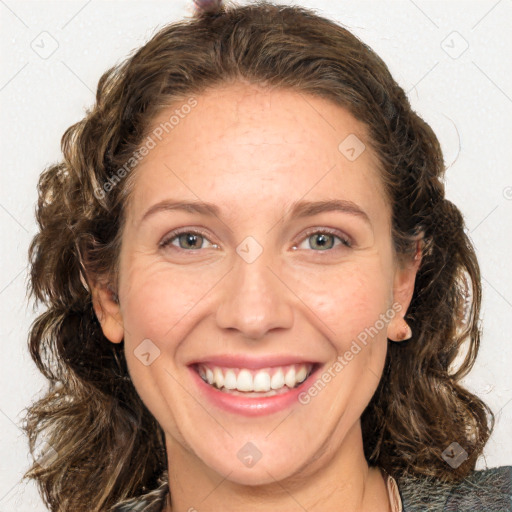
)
(152, 501)
(487, 490)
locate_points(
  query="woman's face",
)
(270, 280)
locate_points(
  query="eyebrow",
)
(298, 209)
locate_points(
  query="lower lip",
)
(251, 406)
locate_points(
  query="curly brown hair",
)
(108, 446)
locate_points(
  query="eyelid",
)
(345, 239)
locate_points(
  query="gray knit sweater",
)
(488, 490)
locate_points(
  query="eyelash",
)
(345, 241)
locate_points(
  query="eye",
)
(324, 239)
(186, 239)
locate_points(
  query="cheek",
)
(159, 299)
(155, 312)
(347, 299)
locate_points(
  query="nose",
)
(255, 300)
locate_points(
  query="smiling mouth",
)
(261, 382)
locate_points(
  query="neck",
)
(332, 481)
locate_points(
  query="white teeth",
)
(289, 378)
(230, 380)
(218, 377)
(301, 375)
(263, 381)
(244, 381)
(277, 381)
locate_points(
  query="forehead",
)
(252, 115)
(246, 142)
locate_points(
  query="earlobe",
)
(403, 289)
(106, 306)
(399, 329)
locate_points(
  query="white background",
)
(467, 100)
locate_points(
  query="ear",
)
(106, 306)
(403, 289)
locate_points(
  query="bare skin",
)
(253, 153)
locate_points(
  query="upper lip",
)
(241, 361)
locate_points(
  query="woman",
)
(256, 287)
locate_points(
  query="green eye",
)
(186, 240)
(324, 240)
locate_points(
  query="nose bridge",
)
(255, 300)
